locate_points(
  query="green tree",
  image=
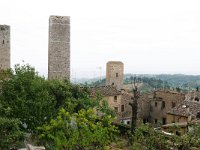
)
(78, 131)
(27, 98)
(10, 134)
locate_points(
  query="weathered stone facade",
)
(153, 107)
(4, 47)
(117, 100)
(184, 112)
(115, 74)
(162, 102)
(59, 48)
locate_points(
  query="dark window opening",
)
(3, 41)
(163, 121)
(145, 120)
(156, 104)
(178, 133)
(196, 99)
(163, 104)
(173, 104)
(113, 83)
(122, 108)
(128, 122)
(116, 74)
(198, 115)
(115, 98)
(155, 121)
(116, 109)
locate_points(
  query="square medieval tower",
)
(4, 47)
(59, 48)
(115, 74)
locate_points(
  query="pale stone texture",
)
(4, 47)
(115, 74)
(59, 48)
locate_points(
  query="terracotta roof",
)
(108, 90)
(181, 110)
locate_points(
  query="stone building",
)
(182, 117)
(117, 100)
(144, 107)
(115, 74)
(153, 106)
(161, 103)
(4, 47)
(184, 112)
(193, 96)
(59, 48)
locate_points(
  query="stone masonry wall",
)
(4, 47)
(162, 103)
(59, 48)
(115, 74)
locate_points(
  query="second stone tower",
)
(115, 74)
(59, 48)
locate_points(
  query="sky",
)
(148, 36)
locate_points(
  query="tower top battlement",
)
(59, 19)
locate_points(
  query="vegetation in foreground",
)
(60, 115)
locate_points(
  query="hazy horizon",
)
(149, 37)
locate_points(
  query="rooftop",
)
(108, 90)
(181, 110)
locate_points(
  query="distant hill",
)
(150, 82)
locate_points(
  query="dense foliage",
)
(61, 115)
(35, 101)
(10, 134)
(78, 131)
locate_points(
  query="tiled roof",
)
(192, 95)
(108, 90)
(182, 109)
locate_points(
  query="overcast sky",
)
(148, 36)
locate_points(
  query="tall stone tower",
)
(115, 74)
(59, 48)
(4, 47)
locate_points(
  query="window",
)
(145, 120)
(163, 121)
(198, 115)
(116, 74)
(155, 121)
(178, 133)
(156, 104)
(196, 99)
(122, 108)
(3, 41)
(173, 104)
(113, 83)
(163, 104)
(128, 122)
(116, 109)
(115, 98)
